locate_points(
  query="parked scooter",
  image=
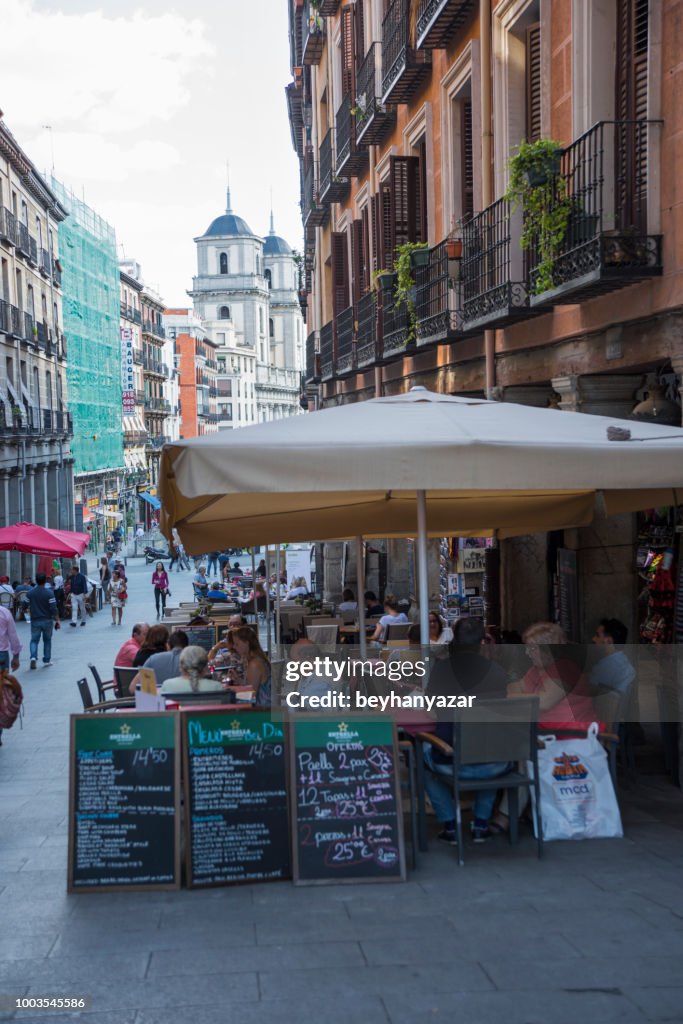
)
(155, 555)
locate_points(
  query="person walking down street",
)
(79, 592)
(44, 619)
(105, 576)
(160, 584)
(10, 648)
(118, 592)
(213, 562)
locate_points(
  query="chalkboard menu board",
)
(124, 802)
(201, 636)
(235, 797)
(347, 811)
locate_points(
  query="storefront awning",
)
(150, 499)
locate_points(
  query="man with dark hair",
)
(166, 664)
(466, 672)
(44, 618)
(613, 671)
(79, 592)
(372, 605)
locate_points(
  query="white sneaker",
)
(46, 664)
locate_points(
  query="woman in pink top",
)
(160, 584)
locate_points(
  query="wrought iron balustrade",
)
(312, 357)
(403, 67)
(327, 351)
(437, 299)
(22, 239)
(41, 333)
(439, 20)
(601, 191)
(344, 360)
(313, 212)
(366, 336)
(350, 159)
(494, 284)
(374, 121)
(333, 188)
(44, 262)
(396, 326)
(313, 35)
(8, 226)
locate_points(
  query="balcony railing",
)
(438, 20)
(56, 274)
(366, 336)
(41, 334)
(313, 29)
(44, 262)
(312, 358)
(333, 188)
(329, 7)
(17, 322)
(22, 237)
(603, 184)
(327, 351)
(373, 120)
(137, 357)
(5, 317)
(350, 159)
(152, 327)
(8, 232)
(345, 354)
(403, 68)
(32, 251)
(437, 299)
(493, 275)
(396, 327)
(30, 330)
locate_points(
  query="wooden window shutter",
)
(467, 173)
(407, 190)
(376, 241)
(387, 234)
(360, 32)
(365, 219)
(533, 83)
(340, 275)
(356, 261)
(348, 52)
(632, 66)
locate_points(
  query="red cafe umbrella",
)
(39, 540)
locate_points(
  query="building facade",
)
(90, 290)
(135, 434)
(405, 115)
(246, 294)
(36, 464)
(195, 354)
(155, 372)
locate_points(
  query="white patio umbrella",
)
(418, 464)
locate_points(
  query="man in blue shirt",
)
(613, 671)
(200, 582)
(44, 618)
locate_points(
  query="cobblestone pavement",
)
(593, 932)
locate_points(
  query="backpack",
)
(11, 698)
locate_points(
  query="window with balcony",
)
(399, 210)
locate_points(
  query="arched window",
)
(269, 277)
(223, 263)
(271, 328)
(224, 313)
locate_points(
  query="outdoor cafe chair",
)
(123, 677)
(497, 730)
(107, 705)
(102, 687)
(323, 636)
(398, 632)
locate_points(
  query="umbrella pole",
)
(277, 600)
(360, 590)
(422, 574)
(270, 651)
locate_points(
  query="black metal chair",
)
(102, 687)
(123, 677)
(108, 705)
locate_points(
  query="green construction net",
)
(90, 304)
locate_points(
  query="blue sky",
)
(146, 106)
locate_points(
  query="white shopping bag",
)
(577, 795)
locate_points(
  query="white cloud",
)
(94, 72)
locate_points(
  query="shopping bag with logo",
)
(577, 795)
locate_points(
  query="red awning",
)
(38, 540)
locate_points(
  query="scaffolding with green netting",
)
(90, 304)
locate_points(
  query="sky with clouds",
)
(146, 104)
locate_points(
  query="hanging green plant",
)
(404, 293)
(536, 187)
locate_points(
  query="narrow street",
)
(594, 931)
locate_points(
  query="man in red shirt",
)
(126, 655)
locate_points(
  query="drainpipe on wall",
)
(486, 154)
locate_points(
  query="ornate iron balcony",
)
(312, 358)
(437, 300)
(313, 212)
(22, 237)
(367, 353)
(602, 188)
(329, 7)
(403, 68)
(439, 20)
(44, 262)
(8, 232)
(350, 160)
(333, 188)
(373, 120)
(327, 351)
(396, 327)
(345, 355)
(313, 35)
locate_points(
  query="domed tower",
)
(230, 283)
(286, 327)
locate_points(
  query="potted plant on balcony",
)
(408, 257)
(384, 280)
(536, 187)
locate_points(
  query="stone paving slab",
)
(593, 931)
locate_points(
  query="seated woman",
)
(297, 589)
(155, 642)
(194, 662)
(438, 633)
(348, 602)
(225, 658)
(256, 664)
(392, 617)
